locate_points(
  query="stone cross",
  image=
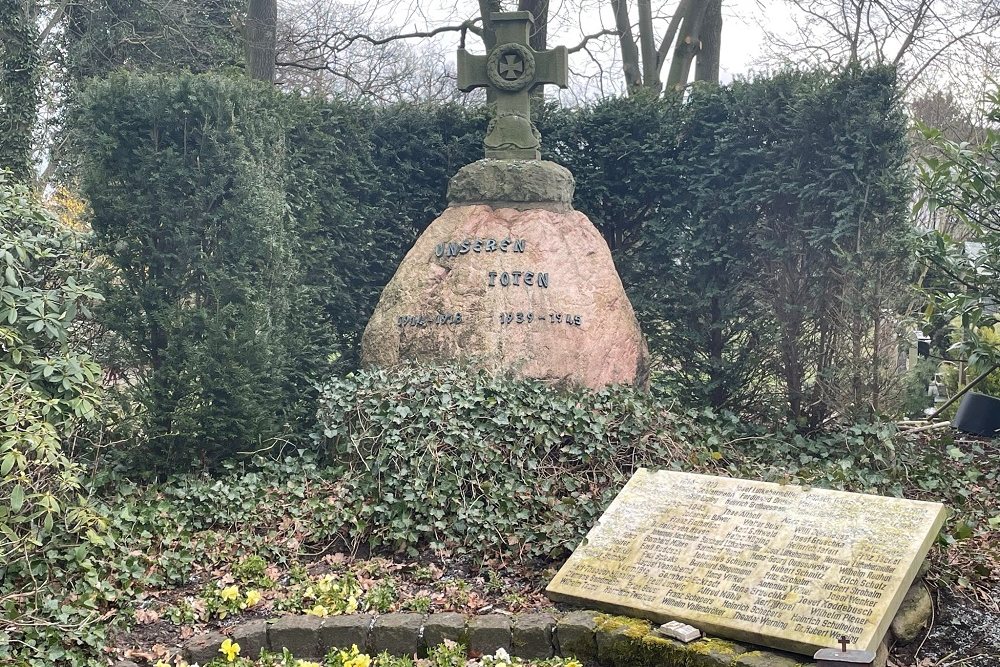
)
(511, 69)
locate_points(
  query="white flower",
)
(501, 655)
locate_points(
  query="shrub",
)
(454, 459)
(183, 174)
(48, 387)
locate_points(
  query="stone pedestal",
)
(511, 279)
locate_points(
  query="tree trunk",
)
(261, 26)
(540, 12)
(707, 66)
(716, 350)
(688, 44)
(539, 33)
(487, 7)
(650, 71)
(630, 52)
(19, 74)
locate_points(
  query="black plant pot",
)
(978, 414)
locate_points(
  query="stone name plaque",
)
(781, 566)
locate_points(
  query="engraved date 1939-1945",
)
(551, 318)
(428, 320)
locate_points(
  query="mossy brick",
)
(449, 625)
(398, 634)
(299, 634)
(531, 636)
(203, 648)
(575, 636)
(252, 637)
(712, 652)
(343, 632)
(628, 642)
(769, 659)
(489, 633)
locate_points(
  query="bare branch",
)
(597, 35)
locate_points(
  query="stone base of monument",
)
(511, 279)
(593, 638)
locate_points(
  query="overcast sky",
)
(742, 37)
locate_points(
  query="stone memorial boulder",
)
(510, 278)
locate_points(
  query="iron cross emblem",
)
(511, 70)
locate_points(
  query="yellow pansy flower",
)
(363, 660)
(352, 605)
(318, 610)
(307, 663)
(572, 663)
(229, 593)
(161, 663)
(253, 597)
(230, 649)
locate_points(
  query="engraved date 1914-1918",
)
(551, 318)
(428, 320)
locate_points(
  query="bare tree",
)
(331, 49)
(929, 40)
(684, 33)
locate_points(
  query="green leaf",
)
(17, 498)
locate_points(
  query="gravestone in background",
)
(510, 278)
(780, 566)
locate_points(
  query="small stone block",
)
(831, 657)
(575, 636)
(489, 633)
(252, 637)
(450, 626)
(532, 636)
(343, 632)
(399, 634)
(679, 631)
(767, 659)
(299, 634)
(204, 648)
(125, 663)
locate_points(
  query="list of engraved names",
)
(768, 558)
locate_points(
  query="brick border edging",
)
(579, 634)
(610, 642)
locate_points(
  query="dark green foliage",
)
(184, 176)
(103, 36)
(833, 241)
(19, 81)
(362, 184)
(416, 150)
(962, 181)
(464, 461)
(49, 387)
(759, 229)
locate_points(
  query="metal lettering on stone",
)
(512, 69)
